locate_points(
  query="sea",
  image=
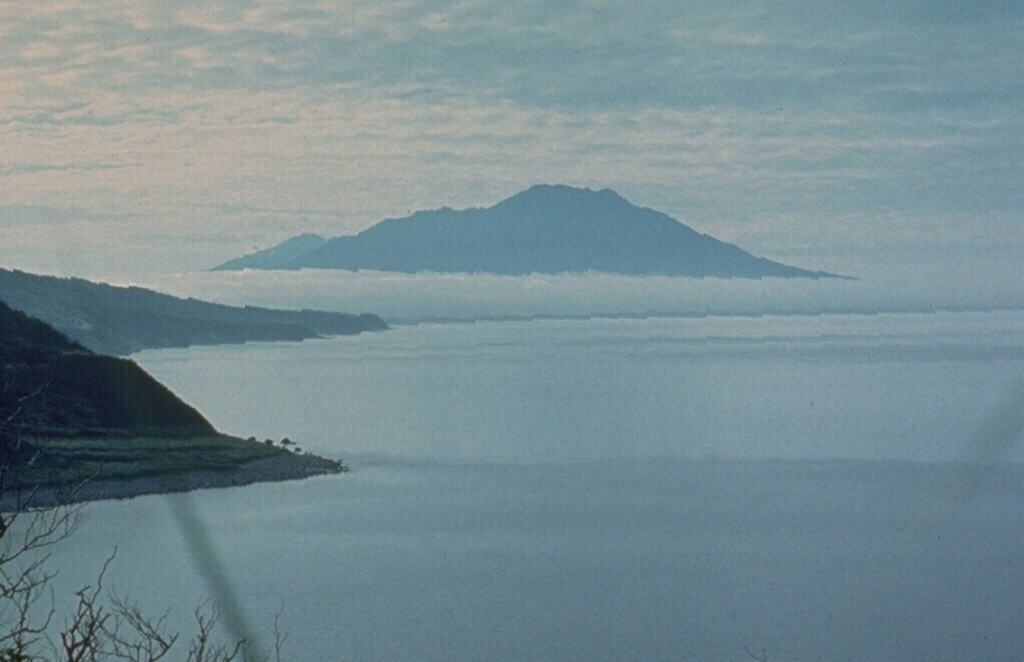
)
(787, 487)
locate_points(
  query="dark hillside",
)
(75, 425)
(22, 334)
(51, 386)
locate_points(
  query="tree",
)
(98, 629)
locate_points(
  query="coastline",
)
(263, 470)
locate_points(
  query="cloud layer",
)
(432, 296)
(171, 138)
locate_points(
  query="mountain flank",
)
(72, 419)
(122, 320)
(287, 251)
(546, 229)
(53, 386)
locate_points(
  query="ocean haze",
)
(880, 286)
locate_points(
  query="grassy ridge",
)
(72, 461)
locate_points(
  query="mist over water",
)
(822, 487)
(896, 285)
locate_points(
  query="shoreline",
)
(262, 470)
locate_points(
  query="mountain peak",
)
(543, 188)
(564, 201)
(566, 192)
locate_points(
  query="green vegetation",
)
(72, 461)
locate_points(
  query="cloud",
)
(430, 296)
(39, 50)
(12, 215)
(720, 114)
(16, 169)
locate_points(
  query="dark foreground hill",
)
(122, 320)
(545, 229)
(58, 388)
(69, 415)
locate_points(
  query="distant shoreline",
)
(263, 470)
(119, 321)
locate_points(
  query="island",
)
(546, 229)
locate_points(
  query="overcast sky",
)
(138, 140)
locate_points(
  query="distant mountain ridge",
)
(122, 320)
(546, 229)
(287, 251)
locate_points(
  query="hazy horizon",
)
(152, 140)
(402, 297)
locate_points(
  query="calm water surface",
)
(658, 489)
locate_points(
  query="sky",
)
(156, 138)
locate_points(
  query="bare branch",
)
(84, 638)
(203, 649)
(279, 637)
(94, 631)
(148, 642)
